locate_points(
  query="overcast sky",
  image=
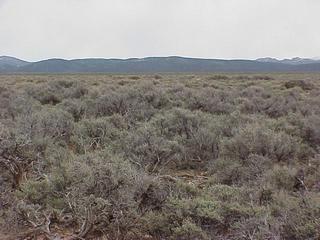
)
(39, 29)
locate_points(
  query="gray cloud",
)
(37, 29)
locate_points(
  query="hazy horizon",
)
(216, 29)
(191, 57)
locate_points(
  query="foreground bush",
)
(160, 157)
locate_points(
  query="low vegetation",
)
(160, 157)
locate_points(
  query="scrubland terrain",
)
(160, 156)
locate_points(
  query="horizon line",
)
(167, 56)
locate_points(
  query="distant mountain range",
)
(157, 65)
(293, 61)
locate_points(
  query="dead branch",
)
(87, 225)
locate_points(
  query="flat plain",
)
(168, 156)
